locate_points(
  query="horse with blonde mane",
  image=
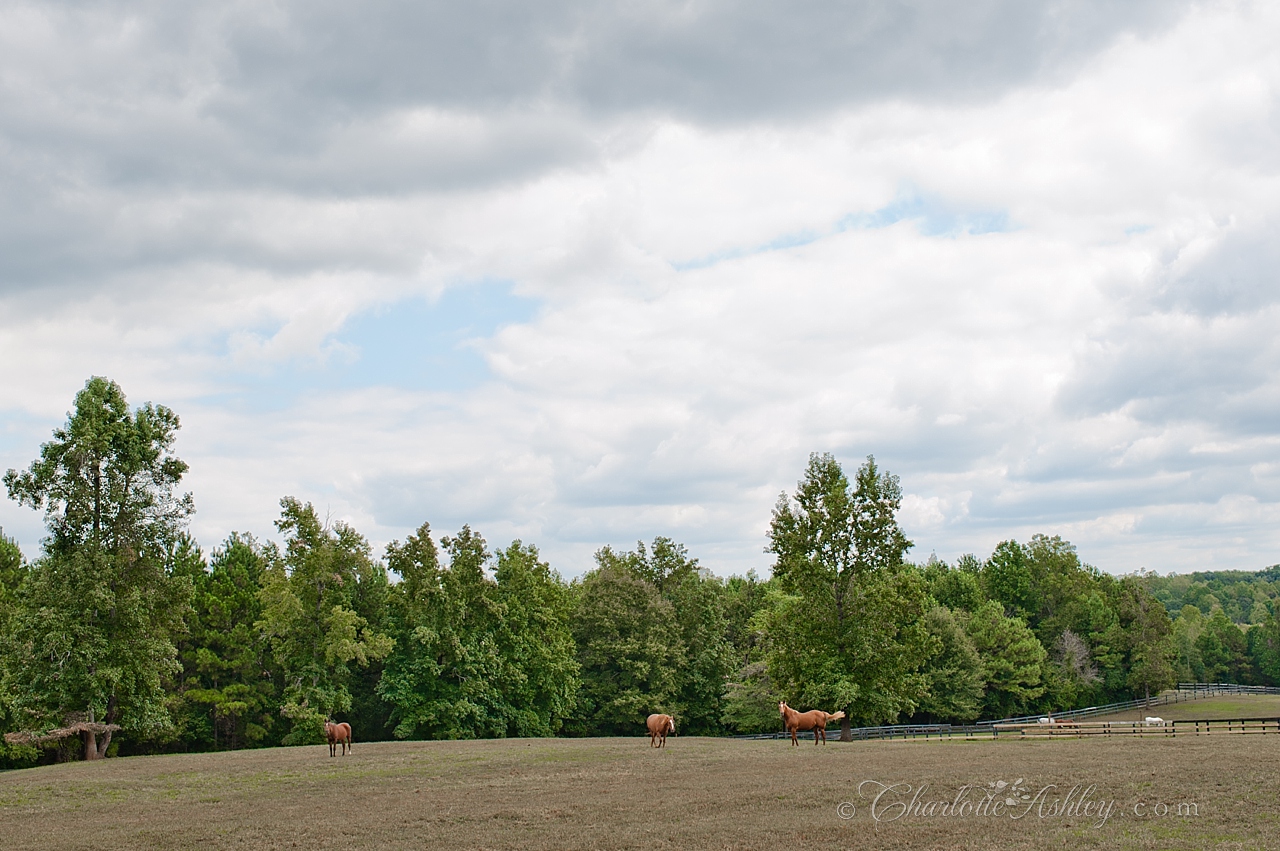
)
(337, 734)
(659, 726)
(815, 720)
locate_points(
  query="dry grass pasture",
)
(619, 793)
(1211, 708)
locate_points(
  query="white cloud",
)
(1041, 292)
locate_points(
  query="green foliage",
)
(478, 657)
(536, 642)
(228, 691)
(629, 649)
(1007, 578)
(309, 620)
(1150, 643)
(751, 701)
(122, 620)
(958, 589)
(955, 678)
(744, 598)
(1071, 675)
(107, 477)
(1264, 651)
(1224, 650)
(13, 569)
(1012, 659)
(1188, 664)
(698, 600)
(848, 631)
(1246, 597)
(92, 633)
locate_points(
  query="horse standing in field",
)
(338, 733)
(659, 726)
(815, 720)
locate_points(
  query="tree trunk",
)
(90, 744)
(104, 744)
(846, 729)
(109, 718)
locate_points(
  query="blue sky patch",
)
(413, 344)
(932, 216)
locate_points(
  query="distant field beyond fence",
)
(1184, 693)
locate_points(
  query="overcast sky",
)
(587, 273)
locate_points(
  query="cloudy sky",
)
(587, 273)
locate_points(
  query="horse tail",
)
(836, 716)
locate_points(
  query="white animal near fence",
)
(1153, 721)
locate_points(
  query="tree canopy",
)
(123, 632)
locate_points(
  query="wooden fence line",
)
(1183, 693)
(1164, 729)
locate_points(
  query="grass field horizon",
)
(1220, 707)
(697, 793)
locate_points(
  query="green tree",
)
(92, 636)
(629, 649)
(698, 600)
(958, 589)
(309, 621)
(107, 478)
(1008, 579)
(1150, 644)
(848, 632)
(750, 703)
(954, 675)
(1264, 651)
(478, 657)
(1224, 649)
(1061, 584)
(744, 597)
(1188, 663)
(13, 569)
(1012, 658)
(228, 684)
(541, 682)
(699, 607)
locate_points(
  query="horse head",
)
(671, 725)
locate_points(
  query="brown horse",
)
(659, 726)
(338, 733)
(815, 720)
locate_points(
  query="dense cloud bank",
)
(1024, 254)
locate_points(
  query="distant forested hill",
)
(1246, 597)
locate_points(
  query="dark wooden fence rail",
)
(1183, 693)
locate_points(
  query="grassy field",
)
(619, 793)
(1226, 706)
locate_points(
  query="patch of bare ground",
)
(620, 793)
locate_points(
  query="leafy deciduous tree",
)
(92, 638)
(849, 631)
(309, 620)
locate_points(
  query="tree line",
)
(124, 636)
